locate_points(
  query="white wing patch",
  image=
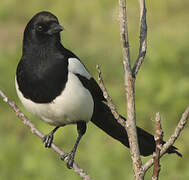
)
(76, 67)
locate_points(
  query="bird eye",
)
(40, 28)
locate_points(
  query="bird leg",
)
(48, 139)
(69, 157)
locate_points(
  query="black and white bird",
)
(54, 84)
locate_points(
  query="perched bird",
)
(54, 84)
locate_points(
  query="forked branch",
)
(172, 139)
(130, 93)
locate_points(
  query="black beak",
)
(55, 28)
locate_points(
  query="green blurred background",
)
(92, 32)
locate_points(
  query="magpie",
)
(53, 84)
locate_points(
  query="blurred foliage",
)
(92, 32)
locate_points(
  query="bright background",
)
(92, 32)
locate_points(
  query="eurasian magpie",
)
(54, 84)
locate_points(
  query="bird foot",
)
(48, 139)
(69, 157)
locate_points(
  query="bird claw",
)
(69, 157)
(48, 139)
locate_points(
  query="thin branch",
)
(159, 140)
(143, 38)
(35, 131)
(130, 93)
(172, 139)
(108, 98)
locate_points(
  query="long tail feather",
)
(104, 119)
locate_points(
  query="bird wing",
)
(93, 87)
(77, 67)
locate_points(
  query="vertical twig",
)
(159, 140)
(130, 93)
(143, 38)
(180, 126)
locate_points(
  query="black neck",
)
(43, 44)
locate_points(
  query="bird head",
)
(43, 27)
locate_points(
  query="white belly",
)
(74, 104)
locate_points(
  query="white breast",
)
(74, 104)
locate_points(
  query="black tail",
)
(104, 119)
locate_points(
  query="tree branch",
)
(143, 38)
(130, 93)
(35, 131)
(172, 139)
(159, 140)
(108, 98)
